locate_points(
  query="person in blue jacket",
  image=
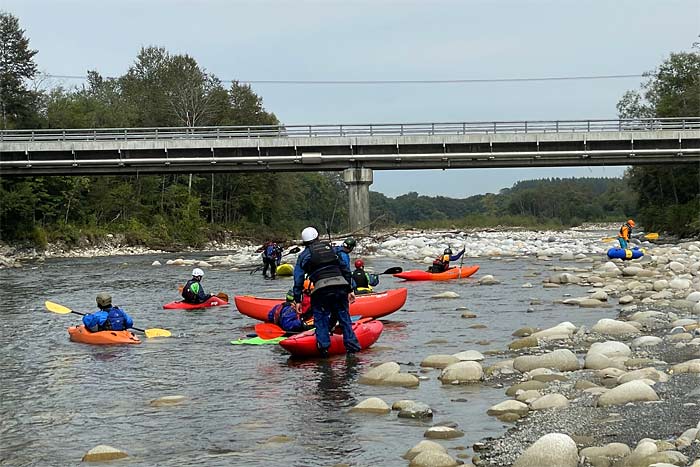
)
(332, 293)
(442, 262)
(108, 317)
(285, 315)
(362, 282)
(271, 256)
(193, 292)
(343, 251)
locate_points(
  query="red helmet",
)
(359, 264)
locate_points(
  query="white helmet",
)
(309, 234)
(197, 272)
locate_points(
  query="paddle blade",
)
(222, 296)
(156, 332)
(294, 250)
(652, 236)
(269, 330)
(608, 239)
(56, 308)
(394, 270)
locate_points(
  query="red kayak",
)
(304, 344)
(452, 273)
(213, 301)
(373, 305)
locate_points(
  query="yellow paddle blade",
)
(156, 332)
(608, 239)
(56, 308)
(652, 236)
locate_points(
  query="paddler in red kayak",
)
(285, 315)
(193, 292)
(442, 262)
(108, 317)
(362, 282)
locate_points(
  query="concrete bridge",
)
(357, 150)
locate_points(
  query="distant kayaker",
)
(285, 315)
(193, 292)
(362, 282)
(343, 251)
(108, 317)
(625, 233)
(442, 262)
(331, 294)
(271, 256)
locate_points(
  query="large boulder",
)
(561, 359)
(462, 372)
(632, 391)
(613, 327)
(373, 405)
(552, 450)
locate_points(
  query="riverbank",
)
(408, 244)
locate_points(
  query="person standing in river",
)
(271, 256)
(625, 233)
(332, 293)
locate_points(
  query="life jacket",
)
(271, 251)
(323, 262)
(361, 279)
(190, 295)
(274, 315)
(625, 231)
(116, 321)
(441, 263)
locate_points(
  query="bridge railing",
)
(350, 130)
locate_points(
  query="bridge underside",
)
(193, 155)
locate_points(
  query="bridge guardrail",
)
(350, 130)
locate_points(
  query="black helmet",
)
(349, 243)
(448, 251)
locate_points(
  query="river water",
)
(58, 399)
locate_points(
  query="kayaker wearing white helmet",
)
(332, 293)
(193, 292)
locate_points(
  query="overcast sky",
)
(385, 40)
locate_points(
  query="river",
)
(59, 399)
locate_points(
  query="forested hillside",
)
(161, 89)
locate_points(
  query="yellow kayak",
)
(285, 269)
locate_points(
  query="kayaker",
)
(625, 233)
(332, 293)
(272, 257)
(193, 292)
(343, 251)
(362, 282)
(442, 262)
(285, 315)
(108, 317)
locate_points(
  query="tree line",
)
(161, 89)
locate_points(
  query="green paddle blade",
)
(56, 308)
(257, 341)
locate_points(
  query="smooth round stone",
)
(446, 295)
(470, 355)
(103, 453)
(525, 386)
(439, 361)
(433, 459)
(373, 405)
(633, 391)
(378, 373)
(442, 432)
(462, 372)
(553, 449)
(418, 410)
(549, 401)
(424, 445)
(508, 406)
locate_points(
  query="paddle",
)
(394, 270)
(222, 295)
(272, 331)
(650, 236)
(60, 309)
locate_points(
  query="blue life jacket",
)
(111, 319)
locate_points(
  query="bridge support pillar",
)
(358, 181)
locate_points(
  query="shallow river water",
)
(58, 399)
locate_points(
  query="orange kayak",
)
(373, 305)
(452, 273)
(80, 334)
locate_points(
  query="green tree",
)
(669, 196)
(16, 68)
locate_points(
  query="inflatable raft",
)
(304, 344)
(80, 334)
(452, 273)
(373, 305)
(285, 269)
(625, 254)
(213, 301)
